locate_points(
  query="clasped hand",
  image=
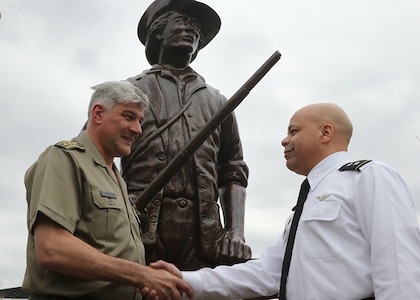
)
(165, 283)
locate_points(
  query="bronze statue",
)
(181, 223)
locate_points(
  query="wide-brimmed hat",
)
(207, 18)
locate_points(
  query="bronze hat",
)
(207, 18)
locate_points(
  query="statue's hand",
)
(232, 248)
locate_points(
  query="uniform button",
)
(153, 218)
(182, 203)
(151, 235)
(156, 202)
(206, 245)
(162, 157)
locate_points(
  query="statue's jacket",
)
(217, 162)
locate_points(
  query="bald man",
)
(357, 237)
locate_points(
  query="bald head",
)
(315, 132)
(329, 113)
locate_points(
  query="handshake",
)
(165, 282)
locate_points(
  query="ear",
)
(327, 131)
(98, 111)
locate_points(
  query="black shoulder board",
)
(355, 165)
(70, 145)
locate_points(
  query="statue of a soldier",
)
(181, 223)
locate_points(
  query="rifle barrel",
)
(202, 135)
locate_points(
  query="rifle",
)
(186, 152)
(144, 198)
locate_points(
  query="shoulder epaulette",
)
(70, 145)
(354, 165)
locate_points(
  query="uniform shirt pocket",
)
(320, 230)
(106, 214)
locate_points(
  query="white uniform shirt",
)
(358, 236)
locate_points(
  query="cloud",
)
(362, 55)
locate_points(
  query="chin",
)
(123, 152)
(184, 50)
(291, 167)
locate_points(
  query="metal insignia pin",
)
(323, 197)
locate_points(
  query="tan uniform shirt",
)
(70, 184)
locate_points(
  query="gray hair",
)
(111, 93)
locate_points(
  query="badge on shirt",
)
(108, 195)
(323, 197)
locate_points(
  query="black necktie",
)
(304, 189)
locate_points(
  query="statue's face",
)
(181, 32)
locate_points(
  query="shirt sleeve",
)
(258, 277)
(388, 221)
(53, 189)
(232, 167)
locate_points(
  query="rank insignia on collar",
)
(70, 145)
(355, 165)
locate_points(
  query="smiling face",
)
(117, 129)
(302, 147)
(315, 132)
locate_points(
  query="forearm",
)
(258, 277)
(232, 200)
(232, 247)
(240, 281)
(60, 251)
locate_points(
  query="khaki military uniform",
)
(70, 184)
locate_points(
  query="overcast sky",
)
(361, 54)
